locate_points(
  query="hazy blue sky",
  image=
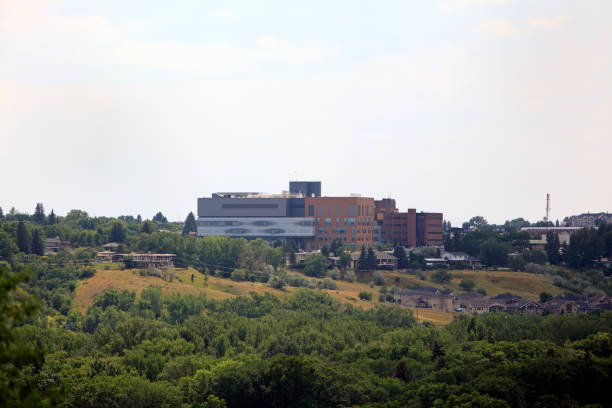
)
(461, 106)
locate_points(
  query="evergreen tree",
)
(38, 246)
(139, 218)
(159, 217)
(190, 224)
(371, 259)
(118, 232)
(402, 259)
(51, 219)
(1, 214)
(362, 263)
(552, 248)
(39, 214)
(402, 372)
(23, 241)
(325, 250)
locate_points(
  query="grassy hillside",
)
(524, 284)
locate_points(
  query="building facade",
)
(346, 219)
(410, 229)
(590, 220)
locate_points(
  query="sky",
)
(466, 107)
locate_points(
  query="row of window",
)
(351, 211)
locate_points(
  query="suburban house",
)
(562, 306)
(111, 246)
(138, 260)
(52, 245)
(460, 259)
(425, 297)
(385, 260)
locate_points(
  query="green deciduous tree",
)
(315, 265)
(7, 247)
(442, 276)
(494, 253)
(118, 232)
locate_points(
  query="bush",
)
(329, 284)
(467, 284)
(315, 265)
(87, 272)
(276, 282)
(349, 276)
(378, 278)
(334, 274)
(482, 291)
(238, 275)
(365, 295)
(382, 298)
(442, 276)
(421, 275)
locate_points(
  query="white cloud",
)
(506, 27)
(452, 5)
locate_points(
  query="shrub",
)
(467, 284)
(349, 276)
(315, 265)
(334, 274)
(365, 295)
(442, 276)
(482, 291)
(329, 284)
(382, 297)
(378, 278)
(87, 272)
(238, 275)
(421, 275)
(276, 282)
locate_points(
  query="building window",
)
(351, 211)
(311, 210)
(320, 210)
(339, 211)
(328, 221)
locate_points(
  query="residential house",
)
(460, 259)
(425, 297)
(52, 245)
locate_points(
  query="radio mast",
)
(547, 218)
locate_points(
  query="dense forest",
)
(161, 349)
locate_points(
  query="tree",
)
(23, 240)
(478, 221)
(7, 247)
(39, 214)
(52, 219)
(345, 260)
(402, 372)
(494, 253)
(315, 265)
(38, 245)
(325, 250)
(17, 388)
(362, 263)
(442, 276)
(118, 232)
(371, 259)
(402, 259)
(552, 248)
(147, 227)
(1, 214)
(545, 297)
(190, 224)
(467, 285)
(159, 217)
(378, 278)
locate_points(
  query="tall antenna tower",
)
(547, 218)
